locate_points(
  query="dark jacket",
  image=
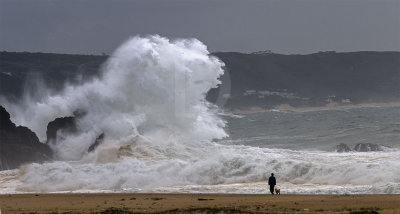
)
(272, 181)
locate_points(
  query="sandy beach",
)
(197, 203)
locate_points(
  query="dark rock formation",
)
(63, 124)
(96, 143)
(362, 147)
(343, 148)
(368, 147)
(66, 125)
(19, 145)
(5, 122)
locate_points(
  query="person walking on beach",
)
(272, 183)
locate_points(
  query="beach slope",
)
(197, 203)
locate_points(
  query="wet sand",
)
(197, 203)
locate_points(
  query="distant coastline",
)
(267, 80)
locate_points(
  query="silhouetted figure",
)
(272, 183)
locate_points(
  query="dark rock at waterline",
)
(19, 145)
(96, 143)
(361, 147)
(343, 148)
(65, 125)
(368, 147)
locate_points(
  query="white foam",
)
(229, 169)
(9, 181)
(263, 188)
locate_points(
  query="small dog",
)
(277, 191)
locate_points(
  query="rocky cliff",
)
(19, 145)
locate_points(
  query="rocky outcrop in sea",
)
(362, 147)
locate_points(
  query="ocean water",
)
(161, 135)
(316, 130)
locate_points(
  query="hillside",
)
(263, 80)
(267, 80)
(25, 72)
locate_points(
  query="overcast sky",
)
(283, 26)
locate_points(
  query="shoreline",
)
(197, 203)
(331, 106)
